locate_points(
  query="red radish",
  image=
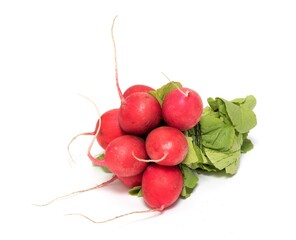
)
(166, 145)
(110, 128)
(137, 88)
(182, 108)
(161, 185)
(120, 156)
(139, 112)
(132, 181)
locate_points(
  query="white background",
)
(51, 51)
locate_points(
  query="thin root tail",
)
(150, 160)
(119, 216)
(114, 177)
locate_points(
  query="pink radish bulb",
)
(120, 156)
(167, 144)
(182, 108)
(137, 88)
(110, 128)
(139, 113)
(132, 181)
(161, 185)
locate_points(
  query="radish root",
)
(85, 133)
(81, 134)
(114, 177)
(180, 90)
(119, 216)
(115, 61)
(90, 156)
(149, 160)
(94, 133)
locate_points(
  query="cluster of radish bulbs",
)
(144, 141)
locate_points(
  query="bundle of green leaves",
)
(218, 140)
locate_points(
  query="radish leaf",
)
(160, 93)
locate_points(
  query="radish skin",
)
(139, 113)
(109, 129)
(168, 144)
(132, 181)
(182, 108)
(161, 185)
(137, 88)
(119, 156)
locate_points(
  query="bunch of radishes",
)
(143, 139)
(144, 142)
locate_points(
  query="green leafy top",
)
(160, 93)
(223, 131)
(190, 180)
(136, 191)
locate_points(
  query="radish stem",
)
(180, 90)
